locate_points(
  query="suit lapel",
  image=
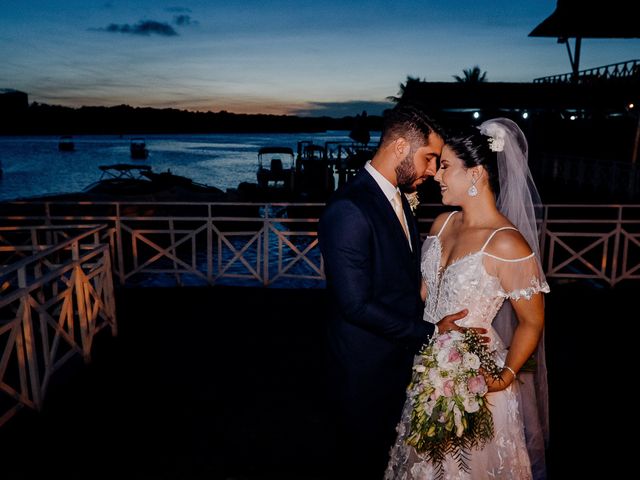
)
(413, 224)
(384, 206)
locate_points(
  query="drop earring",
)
(473, 191)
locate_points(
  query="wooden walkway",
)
(187, 391)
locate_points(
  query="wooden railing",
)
(597, 242)
(276, 244)
(621, 70)
(56, 294)
(196, 243)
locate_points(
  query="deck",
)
(186, 391)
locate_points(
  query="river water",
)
(33, 165)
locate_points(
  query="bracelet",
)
(510, 369)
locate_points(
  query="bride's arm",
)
(515, 276)
(423, 291)
(530, 315)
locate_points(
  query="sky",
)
(319, 57)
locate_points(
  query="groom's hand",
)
(448, 323)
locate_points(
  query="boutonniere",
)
(413, 200)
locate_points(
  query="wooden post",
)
(636, 144)
(266, 225)
(576, 58)
(30, 347)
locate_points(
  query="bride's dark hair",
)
(473, 149)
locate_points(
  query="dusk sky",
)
(272, 56)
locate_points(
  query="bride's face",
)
(453, 177)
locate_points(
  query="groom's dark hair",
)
(408, 121)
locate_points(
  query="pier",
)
(186, 390)
(201, 378)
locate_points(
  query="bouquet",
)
(450, 414)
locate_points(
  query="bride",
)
(476, 258)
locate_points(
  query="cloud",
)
(143, 27)
(183, 20)
(342, 109)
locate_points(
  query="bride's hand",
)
(496, 384)
(448, 323)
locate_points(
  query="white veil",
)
(519, 201)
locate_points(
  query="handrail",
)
(195, 243)
(628, 69)
(6, 269)
(53, 304)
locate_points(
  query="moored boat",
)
(138, 148)
(66, 144)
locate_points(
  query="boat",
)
(138, 148)
(313, 176)
(140, 182)
(66, 144)
(314, 172)
(280, 172)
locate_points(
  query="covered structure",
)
(575, 19)
(616, 19)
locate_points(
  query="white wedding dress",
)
(471, 282)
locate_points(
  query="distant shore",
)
(42, 119)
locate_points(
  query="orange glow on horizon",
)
(238, 106)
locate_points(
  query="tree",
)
(472, 75)
(409, 84)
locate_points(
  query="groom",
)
(370, 245)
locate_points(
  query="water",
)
(33, 165)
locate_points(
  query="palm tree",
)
(472, 75)
(409, 84)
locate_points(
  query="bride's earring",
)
(473, 190)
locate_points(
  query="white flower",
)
(428, 407)
(471, 360)
(496, 134)
(471, 404)
(457, 419)
(496, 144)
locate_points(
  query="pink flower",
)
(442, 339)
(454, 355)
(477, 385)
(448, 388)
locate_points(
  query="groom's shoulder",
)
(347, 202)
(352, 191)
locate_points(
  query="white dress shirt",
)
(388, 189)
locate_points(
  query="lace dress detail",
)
(468, 283)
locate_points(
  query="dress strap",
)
(446, 221)
(493, 233)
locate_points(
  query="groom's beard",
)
(406, 173)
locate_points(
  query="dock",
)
(187, 390)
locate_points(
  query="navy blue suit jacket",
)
(375, 326)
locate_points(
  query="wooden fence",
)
(56, 294)
(276, 244)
